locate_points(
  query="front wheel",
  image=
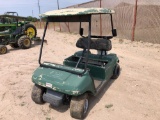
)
(37, 94)
(24, 42)
(3, 49)
(79, 106)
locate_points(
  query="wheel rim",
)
(85, 108)
(26, 42)
(3, 50)
(31, 32)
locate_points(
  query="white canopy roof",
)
(77, 11)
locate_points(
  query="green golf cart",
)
(83, 73)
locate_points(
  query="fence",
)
(41, 25)
(134, 19)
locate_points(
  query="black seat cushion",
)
(97, 44)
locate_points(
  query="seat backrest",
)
(97, 44)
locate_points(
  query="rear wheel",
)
(14, 45)
(3, 49)
(116, 72)
(37, 94)
(79, 106)
(31, 30)
(24, 42)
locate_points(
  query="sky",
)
(30, 7)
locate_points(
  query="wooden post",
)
(48, 25)
(135, 20)
(40, 24)
(68, 27)
(54, 26)
(100, 19)
(60, 27)
(58, 9)
(58, 4)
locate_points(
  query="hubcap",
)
(27, 42)
(30, 32)
(85, 108)
(3, 50)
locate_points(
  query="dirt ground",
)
(135, 95)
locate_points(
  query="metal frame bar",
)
(135, 20)
(40, 55)
(111, 21)
(89, 42)
(84, 50)
(89, 39)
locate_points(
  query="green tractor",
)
(83, 73)
(15, 31)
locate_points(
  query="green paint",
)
(54, 77)
(103, 72)
(62, 81)
(73, 84)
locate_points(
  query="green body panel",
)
(63, 81)
(7, 27)
(8, 38)
(98, 72)
(64, 78)
(11, 26)
(72, 84)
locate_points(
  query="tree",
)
(32, 19)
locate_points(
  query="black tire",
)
(3, 49)
(116, 72)
(79, 106)
(37, 94)
(14, 45)
(24, 42)
(31, 30)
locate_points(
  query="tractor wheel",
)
(37, 94)
(14, 45)
(116, 72)
(31, 30)
(24, 42)
(79, 106)
(3, 49)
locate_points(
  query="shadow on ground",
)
(93, 100)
